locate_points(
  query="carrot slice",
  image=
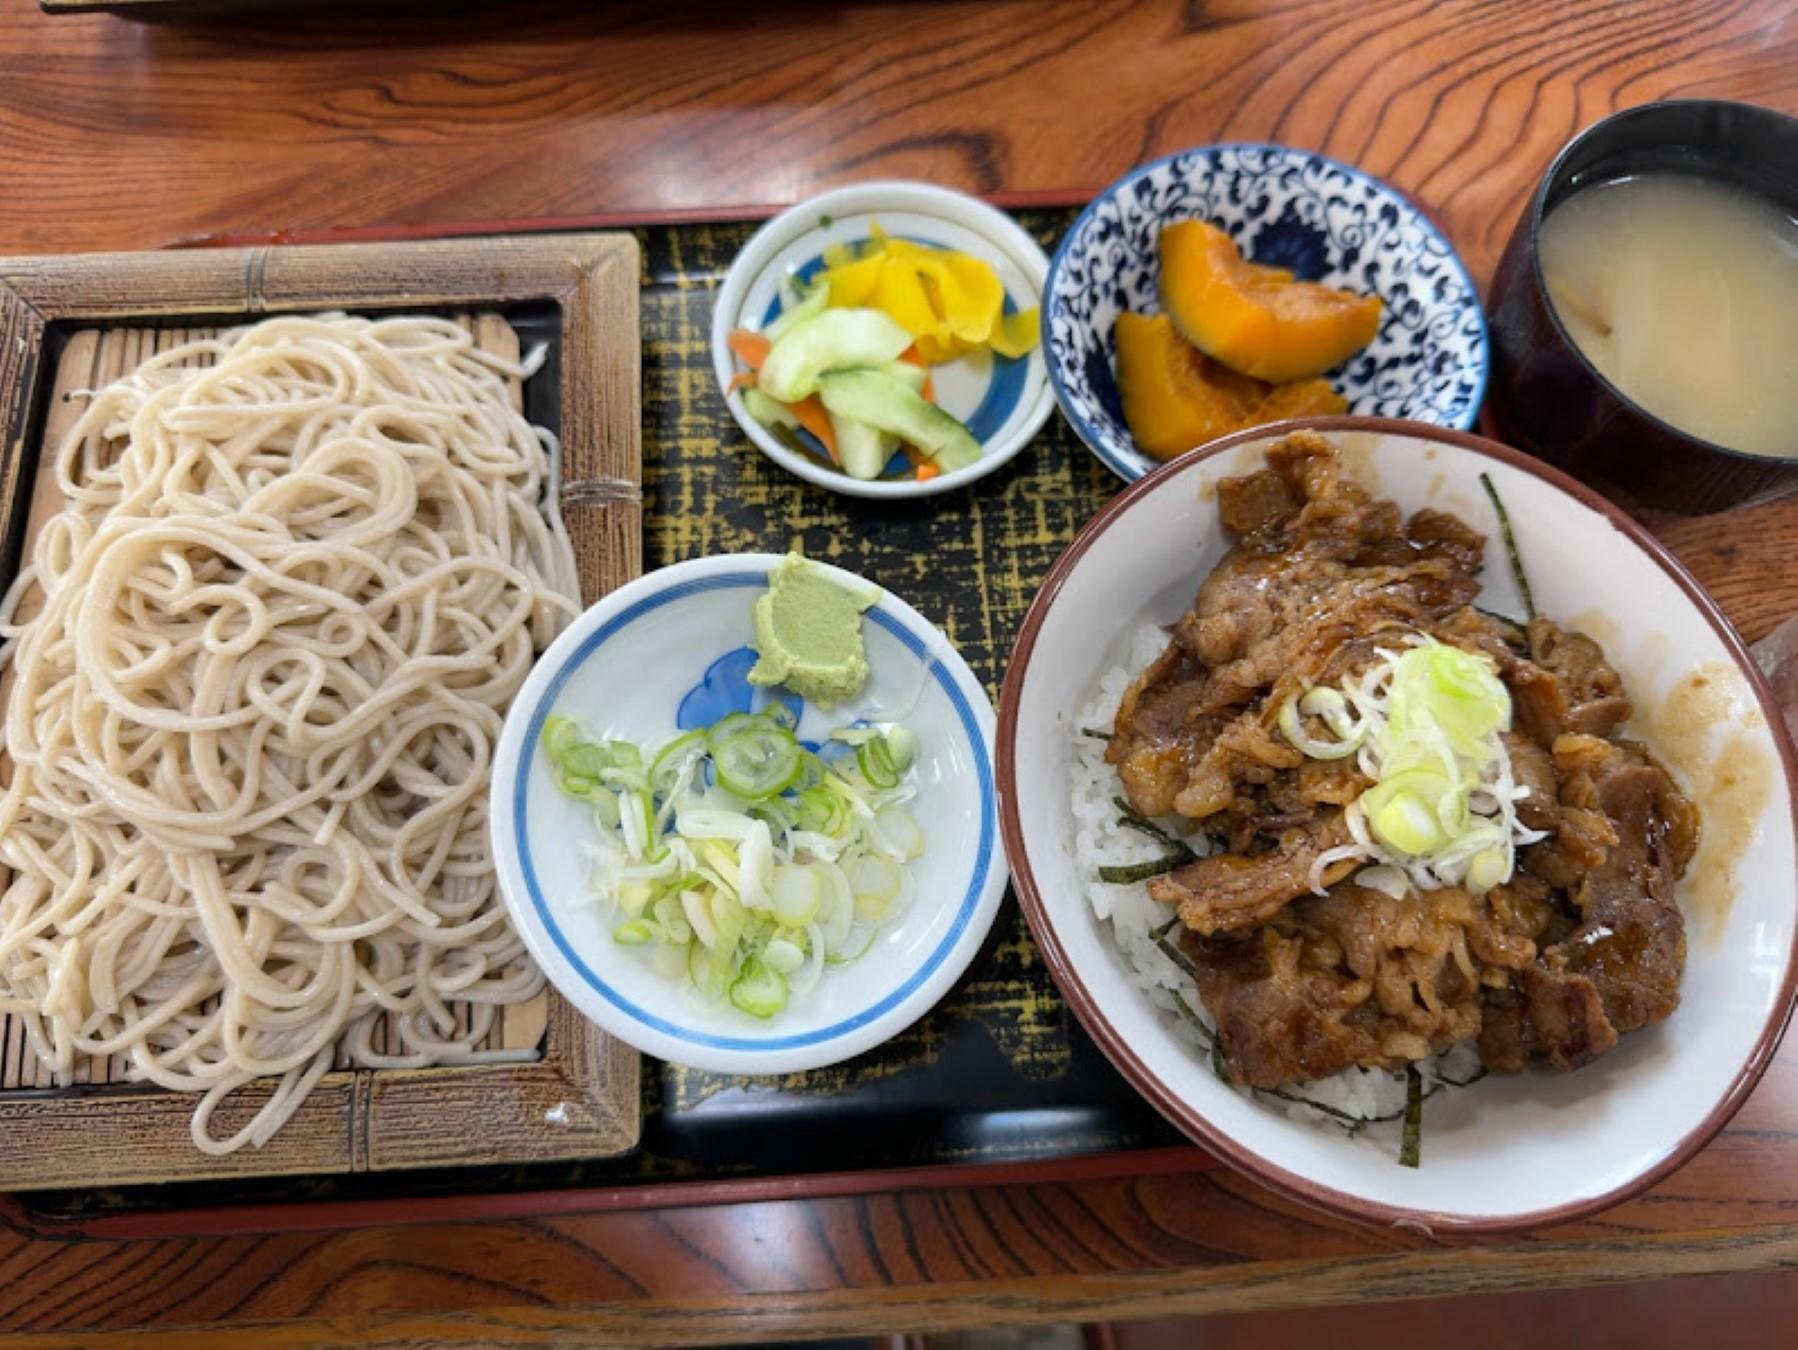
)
(813, 418)
(751, 347)
(916, 357)
(743, 379)
(926, 471)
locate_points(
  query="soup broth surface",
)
(1683, 291)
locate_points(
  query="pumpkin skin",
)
(1257, 320)
(1176, 398)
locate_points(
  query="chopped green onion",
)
(699, 916)
(758, 990)
(754, 757)
(812, 772)
(836, 903)
(877, 881)
(671, 917)
(665, 768)
(1402, 810)
(1489, 868)
(903, 745)
(783, 956)
(875, 760)
(1426, 724)
(635, 894)
(738, 887)
(901, 831)
(636, 933)
(755, 865)
(1294, 731)
(844, 958)
(702, 822)
(821, 811)
(796, 894)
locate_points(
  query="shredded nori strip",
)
(1154, 832)
(1191, 1015)
(1410, 1152)
(1504, 529)
(1142, 871)
(1166, 928)
(1210, 1038)
(1135, 820)
(1351, 1123)
(1177, 956)
(1125, 873)
(1095, 733)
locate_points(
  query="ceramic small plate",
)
(1322, 220)
(670, 652)
(1003, 401)
(1510, 1151)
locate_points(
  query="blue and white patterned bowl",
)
(670, 652)
(1004, 401)
(1287, 208)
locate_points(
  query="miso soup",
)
(1683, 292)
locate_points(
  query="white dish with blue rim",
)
(669, 652)
(1323, 220)
(1003, 401)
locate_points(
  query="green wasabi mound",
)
(808, 633)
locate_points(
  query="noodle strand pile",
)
(303, 570)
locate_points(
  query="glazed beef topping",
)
(1585, 941)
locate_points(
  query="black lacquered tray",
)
(999, 1072)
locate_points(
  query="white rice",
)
(1100, 839)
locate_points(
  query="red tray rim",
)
(313, 1215)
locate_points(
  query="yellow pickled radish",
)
(951, 303)
(1018, 333)
(900, 292)
(853, 283)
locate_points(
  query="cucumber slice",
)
(837, 339)
(911, 376)
(875, 397)
(810, 305)
(864, 450)
(766, 411)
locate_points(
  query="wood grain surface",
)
(114, 135)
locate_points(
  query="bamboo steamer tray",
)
(71, 324)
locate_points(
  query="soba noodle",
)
(304, 568)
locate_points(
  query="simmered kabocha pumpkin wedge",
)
(1177, 398)
(1257, 320)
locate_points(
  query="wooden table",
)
(119, 136)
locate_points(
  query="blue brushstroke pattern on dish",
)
(1288, 208)
(725, 689)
